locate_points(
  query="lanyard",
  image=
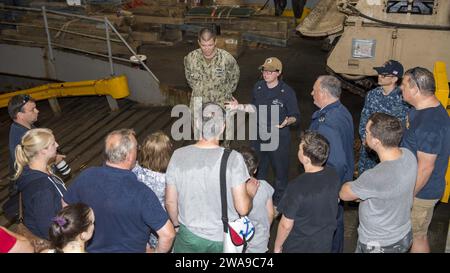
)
(58, 182)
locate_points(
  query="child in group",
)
(72, 227)
(262, 213)
(154, 157)
(310, 203)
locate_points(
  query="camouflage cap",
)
(272, 64)
(390, 67)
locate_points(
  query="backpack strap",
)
(223, 187)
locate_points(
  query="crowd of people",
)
(149, 198)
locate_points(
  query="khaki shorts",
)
(421, 214)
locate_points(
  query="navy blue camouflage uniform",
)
(376, 101)
(335, 123)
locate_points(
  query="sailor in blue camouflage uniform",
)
(386, 98)
(335, 123)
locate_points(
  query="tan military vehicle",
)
(366, 33)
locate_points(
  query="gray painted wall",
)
(10, 83)
(31, 62)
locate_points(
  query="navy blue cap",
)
(390, 67)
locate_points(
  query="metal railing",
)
(107, 23)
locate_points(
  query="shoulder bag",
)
(236, 233)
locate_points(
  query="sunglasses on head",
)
(26, 98)
(412, 76)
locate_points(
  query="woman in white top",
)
(154, 157)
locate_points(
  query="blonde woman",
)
(42, 191)
(154, 157)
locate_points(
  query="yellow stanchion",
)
(442, 92)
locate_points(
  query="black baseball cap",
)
(390, 67)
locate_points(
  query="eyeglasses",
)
(268, 71)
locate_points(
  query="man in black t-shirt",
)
(310, 203)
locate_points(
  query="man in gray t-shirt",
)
(193, 188)
(386, 191)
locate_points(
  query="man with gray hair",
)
(427, 136)
(335, 123)
(193, 198)
(125, 209)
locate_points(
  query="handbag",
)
(38, 243)
(236, 233)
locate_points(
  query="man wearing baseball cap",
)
(386, 98)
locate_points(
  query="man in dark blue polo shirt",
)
(125, 209)
(427, 135)
(22, 110)
(335, 123)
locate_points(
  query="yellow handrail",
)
(116, 87)
(442, 92)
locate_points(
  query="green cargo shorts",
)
(188, 242)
